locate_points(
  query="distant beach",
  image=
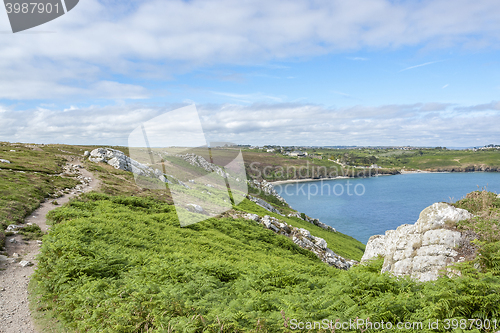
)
(289, 181)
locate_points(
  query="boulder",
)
(264, 205)
(304, 239)
(423, 249)
(196, 209)
(119, 160)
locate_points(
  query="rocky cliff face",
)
(422, 249)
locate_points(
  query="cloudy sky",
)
(301, 72)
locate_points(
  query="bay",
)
(363, 207)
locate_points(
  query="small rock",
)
(12, 240)
(39, 242)
(15, 255)
(25, 263)
(86, 153)
(4, 161)
(13, 227)
(196, 208)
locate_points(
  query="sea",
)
(363, 207)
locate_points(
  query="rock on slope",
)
(303, 238)
(422, 249)
(119, 160)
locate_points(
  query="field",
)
(355, 162)
(431, 159)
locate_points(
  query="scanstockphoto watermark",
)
(321, 188)
(308, 170)
(365, 324)
(204, 179)
(26, 14)
(355, 324)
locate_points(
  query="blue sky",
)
(359, 72)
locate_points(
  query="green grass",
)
(31, 232)
(486, 208)
(27, 159)
(120, 262)
(22, 192)
(123, 264)
(344, 245)
(29, 179)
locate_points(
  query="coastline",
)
(404, 172)
(290, 181)
(401, 172)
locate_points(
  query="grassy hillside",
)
(123, 264)
(432, 159)
(27, 180)
(118, 261)
(341, 244)
(274, 166)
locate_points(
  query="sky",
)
(302, 72)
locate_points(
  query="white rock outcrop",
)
(267, 188)
(201, 162)
(4, 161)
(119, 160)
(303, 238)
(264, 204)
(422, 249)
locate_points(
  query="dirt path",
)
(15, 315)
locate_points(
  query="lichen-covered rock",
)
(304, 239)
(264, 204)
(119, 160)
(196, 208)
(423, 249)
(267, 188)
(316, 222)
(201, 162)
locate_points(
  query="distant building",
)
(374, 166)
(270, 150)
(297, 153)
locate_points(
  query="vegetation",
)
(355, 162)
(31, 176)
(123, 264)
(485, 225)
(118, 261)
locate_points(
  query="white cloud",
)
(430, 124)
(161, 38)
(249, 98)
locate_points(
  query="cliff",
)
(423, 249)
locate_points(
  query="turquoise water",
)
(364, 207)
